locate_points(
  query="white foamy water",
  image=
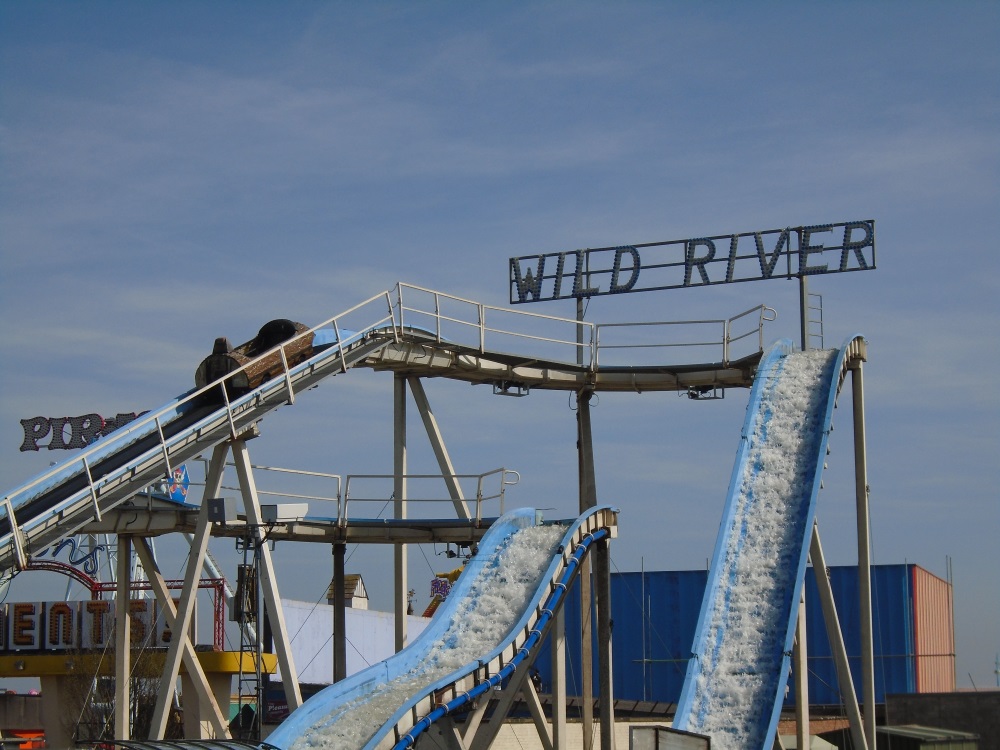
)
(499, 596)
(748, 624)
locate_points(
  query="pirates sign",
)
(68, 433)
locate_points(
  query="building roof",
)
(354, 587)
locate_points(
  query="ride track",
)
(60, 502)
(735, 682)
(412, 330)
(501, 668)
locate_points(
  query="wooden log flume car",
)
(226, 359)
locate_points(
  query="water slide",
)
(735, 682)
(485, 635)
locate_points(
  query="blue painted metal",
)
(756, 724)
(554, 601)
(317, 710)
(670, 615)
(893, 633)
(652, 639)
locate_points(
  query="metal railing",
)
(392, 313)
(505, 478)
(153, 422)
(486, 323)
(723, 335)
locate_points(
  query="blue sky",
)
(173, 172)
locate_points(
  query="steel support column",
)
(800, 655)
(399, 504)
(339, 614)
(189, 591)
(864, 551)
(199, 680)
(588, 499)
(437, 444)
(269, 581)
(603, 578)
(848, 696)
(557, 689)
(123, 641)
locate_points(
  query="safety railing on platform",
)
(332, 496)
(485, 328)
(719, 337)
(485, 491)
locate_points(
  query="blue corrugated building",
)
(654, 616)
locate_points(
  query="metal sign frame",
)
(792, 252)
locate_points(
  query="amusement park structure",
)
(417, 333)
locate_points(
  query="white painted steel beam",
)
(269, 581)
(557, 690)
(189, 592)
(537, 712)
(438, 446)
(123, 641)
(401, 593)
(864, 549)
(199, 680)
(602, 568)
(848, 695)
(588, 499)
(800, 663)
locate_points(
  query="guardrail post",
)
(399, 304)
(93, 489)
(726, 333)
(482, 328)
(288, 375)
(163, 446)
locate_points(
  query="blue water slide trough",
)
(756, 713)
(452, 692)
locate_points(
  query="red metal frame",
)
(97, 588)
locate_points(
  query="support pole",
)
(804, 311)
(534, 704)
(437, 444)
(800, 655)
(123, 641)
(603, 578)
(558, 687)
(864, 550)
(269, 581)
(847, 693)
(198, 680)
(588, 499)
(339, 614)
(399, 504)
(199, 549)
